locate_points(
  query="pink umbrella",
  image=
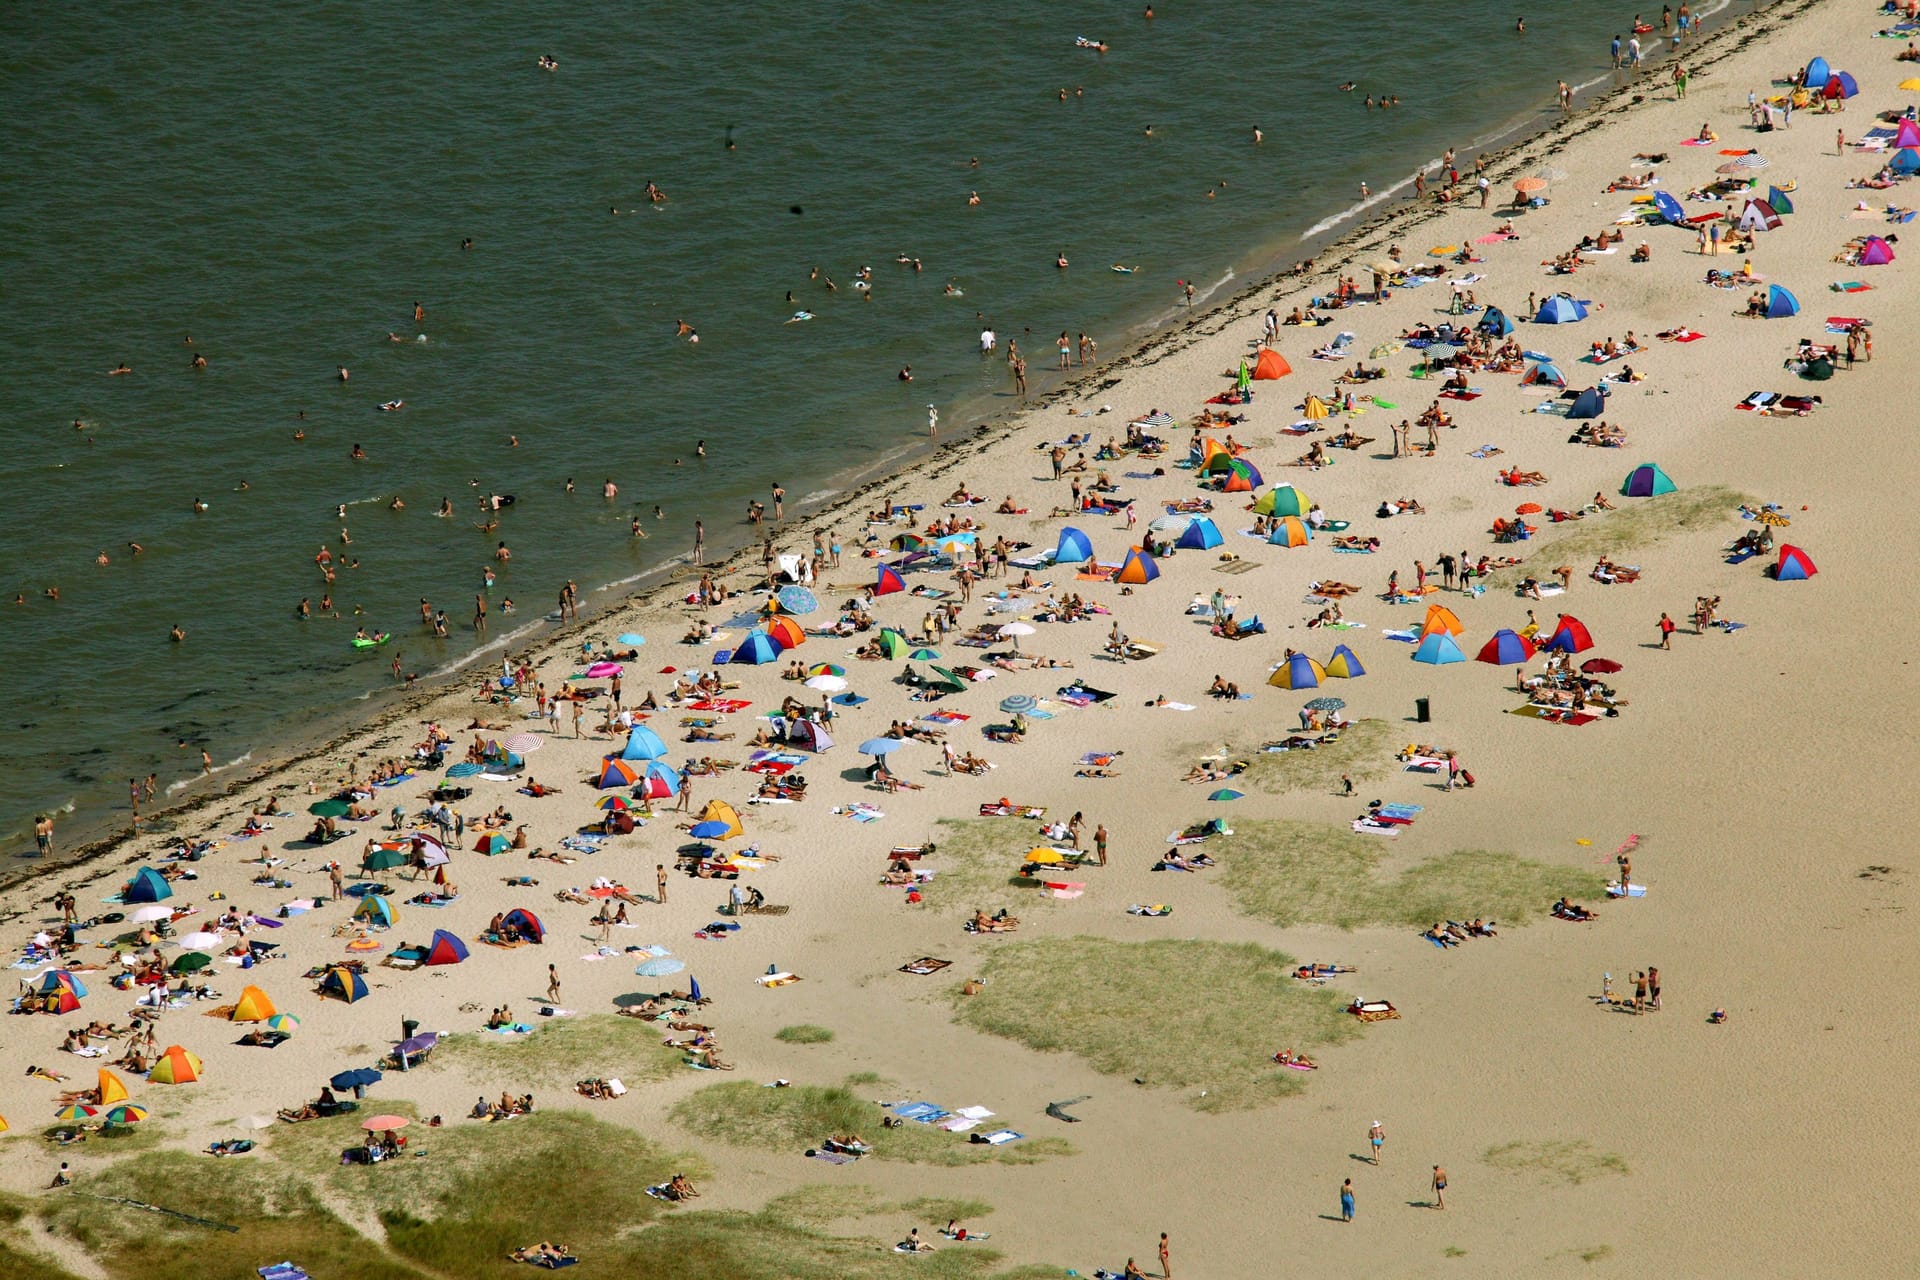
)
(601, 670)
(522, 743)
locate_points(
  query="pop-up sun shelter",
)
(1495, 323)
(1282, 500)
(252, 1006)
(1758, 216)
(375, 909)
(1560, 309)
(1905, 161)
(1794, 565)
(1779, 201)
(887, 581)
(1569, 636)
(757, 649)
(1508, 648)
(1298, 672)
(1817, 74)
(343, 984)
(1438, 649)
(1907, 133)
(1074, 547)
(785, 632)
(175, 1066)
(644, 744)
(1780, 303)
(1646, 481)
(1137, 569)
(147, 885)
(1201, 534)
(1875, 252)
(445, 949)
(1289, 531)
(1269, 365)
(614, 774)
(1544, 374)
(810, 734)
(1344, 665)
(526, 923)
(1590, 403)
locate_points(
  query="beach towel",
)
(1156, 909)
(1633, 890)
(776, 979)
(1849, 286)
(999, 1137)
(1364, 827)
(924, 966)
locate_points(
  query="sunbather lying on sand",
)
(540, 1253)
(1565, 910)
(999, 922)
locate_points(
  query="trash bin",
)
(1421, 711)
(407, 1027)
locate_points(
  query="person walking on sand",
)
(553, 985)
(1666, 632)
(1346, 1200)
(43, 835)
(1376, 1138)
(699, 542)
(1439, 1187)
(1166, 1267)
(660, 883)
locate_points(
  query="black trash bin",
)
(1421, 711)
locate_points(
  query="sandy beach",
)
(1744, 773)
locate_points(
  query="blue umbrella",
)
(660, 968)
(465, 769)
(709, 830)
(880, 746)
(797, 600)
(924, 655)
(630, 638)
(357, 1078)
(1019, 704)
(1226, 793)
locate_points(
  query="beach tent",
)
(1074, 547)
(1560, 309)
(1316, 408)
(661, 780)
(1508, 648)
(1270, 365)
(1544, 374)
(1794, 565)
(1201, 534)
(376, 910)
(1298, 672)
(1780, 303)
(887, 581)
(1282, 500)
(1495, 323)
(1669, 209)
(756, 649)
(1875, 252)
(252, 1006)
(147, 885)
(61, 980)
(1344, 665)
(112, 1088)
(614, 774)
(1758, 216)
(526, 923)
(643, 744)
(1240, 477)
(1839, 86)
(1218, 460)
(175, 1066)
(721, 811)
(1907, 133)
(445, 949)
(1569, 636)
(1590, 403)
(786, 633)
(1137, 569)
(1817, 74)
(1438, 649)
(1289, 531)
(1646, 481)
(1905, 161)
(432, 853)
(1440, 618)
(894, 643)
(1203, 454)
(1779, 201)
(810, 734)
(61, 1001)
(343, 984)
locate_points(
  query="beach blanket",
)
(776, 979)
(924, 966)
(1365, 826)
(1633, 890)
(1849, 286)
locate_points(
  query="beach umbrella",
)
(632, 639)
(826, 669)
(525, 743)
(492, 843)
(329, 808)
(1910, 83)
(907, 542)
(947, 679)
(197, 940)
(613, 803)
(384, 857)
(1282, 500)
(1158, 418)
(192, 962)
(147, 915)
(465, 769)
(384, 1124)
(76, 1111)
(827, 684)
(1226, 793)
(1600, 666)
(1527, 186)
(1527, 509)
(1045, 857)
(1753, 159)
(797, 599)
(1013, 631)
(1326, 704)
(1174, 525)
(356, 1078)
(125, 1113)
(285, 1023)
(880, 746)
(924, 654)
(598, 671)
(1507, 648)
(1019, 704)
(643, 744)
(1381, 350)
(1570, 636)
(1729, 168)
(708, 830)
(660, 967)
(1314, 408)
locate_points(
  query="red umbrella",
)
(1527, 509)
(1600, 666)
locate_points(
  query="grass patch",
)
(800, 1117)
(714, 1245)
(1596, 1253)
(1364, 753)
(1292, 873)
(825, 1203)
(804, 1033)
(1453, 1251)
(1567, 1161)
(1638, 523)
(1120, 1005)
(16, 1258)
(562, 1051)
(979, 864)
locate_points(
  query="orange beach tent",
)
(253, 1006)
(1269, 365)
(176, 1066)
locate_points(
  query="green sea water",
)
(283, 184)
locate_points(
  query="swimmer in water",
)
(135, 547)
(198, 506)
(905, 374)
(242, 487)
(342, 371)
(1349, 87)
(119, 369)
(176, 634)
(101, 559)
(199, 361)
(1060, 261)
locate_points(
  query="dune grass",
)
(978, 861)
(804, 1033)
(1562, 1160)
(1291, 873)
(1635, 524)
(717, 1245)
(800, 1117)
(824, 1203)
(1364, 753)
(1201, 1017)
(17, 1258)
(562, 1051)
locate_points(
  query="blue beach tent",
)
(757, 648)
(1818, 73)
(1438, 649)
(147, 885)
(1495, 323)
(1560, 309)
(1201, 534)
(643, 744)
(1905, 161)
(1590, 403)
(1074, 547)
(1780, 303)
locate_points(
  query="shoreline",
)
(652, 589)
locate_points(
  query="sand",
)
(1755, 768)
